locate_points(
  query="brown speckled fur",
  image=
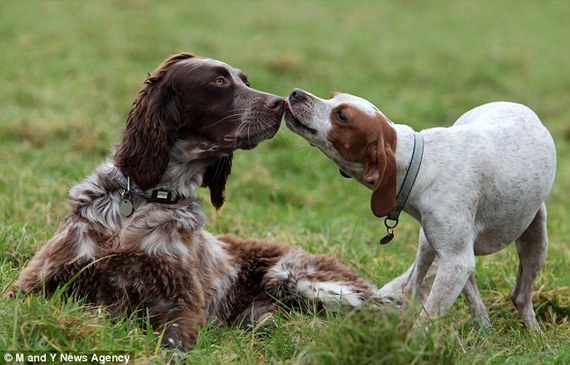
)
(181, 134)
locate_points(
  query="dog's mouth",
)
(249, 135)
(258, 121)
(293, 123)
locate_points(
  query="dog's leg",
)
(424, 259)
(180, 325)
(299, 277)
(55, 263)
(258, 315)
(32, 276)
(531, 247)
(476, 306)
(393, 292)
(456, 262)
(417, 280)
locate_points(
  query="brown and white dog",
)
(134, 238)
(481, 184)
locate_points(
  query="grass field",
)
(70, 70)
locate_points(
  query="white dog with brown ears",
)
(474, 187)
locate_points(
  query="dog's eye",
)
(220, 81)
(340, 116)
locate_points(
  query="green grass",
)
(70, 70)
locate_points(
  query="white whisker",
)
(236, 113)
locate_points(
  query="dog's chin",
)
(248, 140)
(295, 125)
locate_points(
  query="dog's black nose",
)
(297, 95)
(274, 102)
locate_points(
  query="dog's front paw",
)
(398, 302)
(390, 295)
(177, 337)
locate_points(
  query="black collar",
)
(406, 188)
(159, 195)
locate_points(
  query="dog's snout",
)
(274, 102)
(297, 95)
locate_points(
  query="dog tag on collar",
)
(387, 238)
(389, 229)
(126, 207)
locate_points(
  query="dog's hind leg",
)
(258, 315)
(299, 278)
(531, 248)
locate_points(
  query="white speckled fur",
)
(482, 184)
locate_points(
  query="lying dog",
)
(481, 184)
(134, 237)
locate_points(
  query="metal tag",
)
(386, 238)
(389, 229)
(126, 207)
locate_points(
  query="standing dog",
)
(134, 238)
(481, 184)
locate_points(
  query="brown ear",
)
(381, 171)
(215, 179)
(152, 128)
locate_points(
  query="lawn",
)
(71, 69)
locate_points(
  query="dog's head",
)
(355, 135)
(203, 105)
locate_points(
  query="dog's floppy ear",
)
(381, 171)
(215, 179)
(152, 128)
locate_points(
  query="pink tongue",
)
(229, 138)
(288, 107)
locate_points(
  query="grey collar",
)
(406, 188)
